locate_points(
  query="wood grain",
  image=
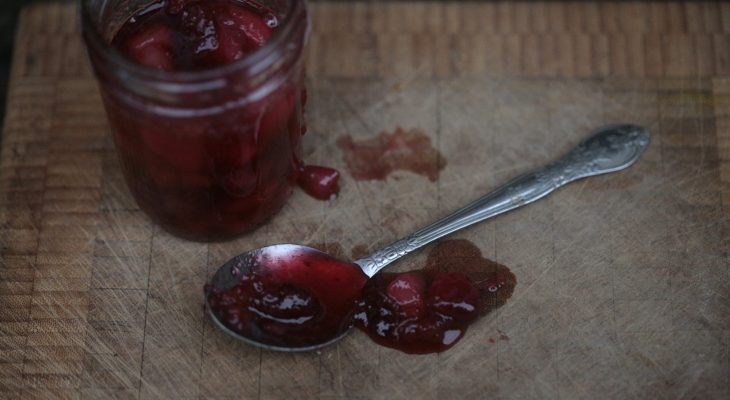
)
(623, 280)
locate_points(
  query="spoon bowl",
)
(311, 311)
(296, 298)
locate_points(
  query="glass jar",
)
(207, 154)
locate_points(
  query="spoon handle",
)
(611, 148)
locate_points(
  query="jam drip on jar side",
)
(319, 182)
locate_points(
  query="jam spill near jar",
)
(205, 103)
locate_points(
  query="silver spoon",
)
(608, 149)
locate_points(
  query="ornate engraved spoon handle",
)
(611, 148)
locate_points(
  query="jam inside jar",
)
(205, 104)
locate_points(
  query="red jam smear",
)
(216, 176)
(429, 310)
(417, 313)
(294, 300)
(375, 158)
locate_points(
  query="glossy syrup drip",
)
(322, 183)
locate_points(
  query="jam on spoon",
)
(286, 296)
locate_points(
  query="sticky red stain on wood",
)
(406, 150)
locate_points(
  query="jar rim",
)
(254, 62)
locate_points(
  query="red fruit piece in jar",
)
(233, 33)
(231, 146)
(178, 150)
(252, 27)
(196, 22)
(407, 291)
(153, 46)
(240, 182)
(452, 294)
(319, 182)
(233, 157)
(228, 48)
(277, 113)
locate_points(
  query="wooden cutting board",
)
(623, 281)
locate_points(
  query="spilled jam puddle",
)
(429, 310)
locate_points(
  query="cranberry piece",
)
(249, 25)
(233, 159)
(197, 23)
(454, 295)
(153, 47)
(240, 182)
(416, 312)
(193, 34)
(279, 110)
(226, 33)
(319, 182)
(227, 49)
(407, 290)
